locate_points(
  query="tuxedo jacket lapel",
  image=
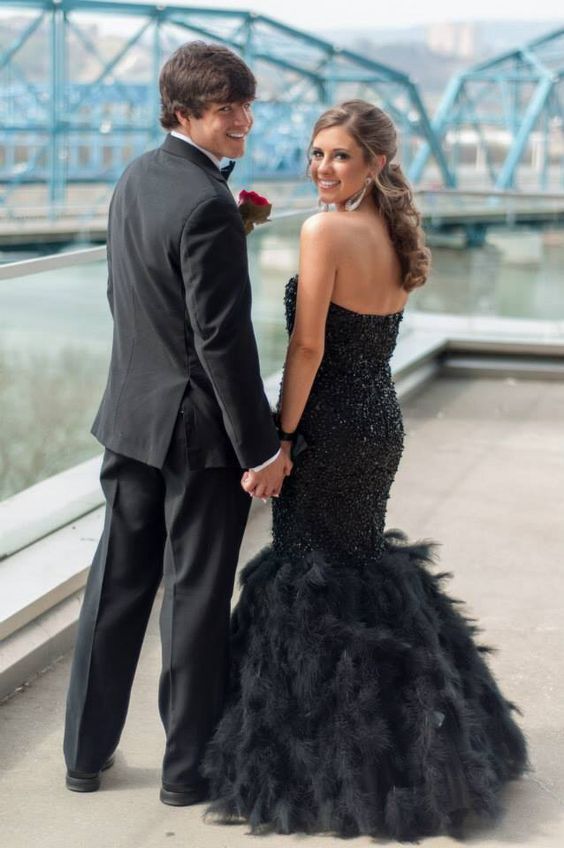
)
(177, 147)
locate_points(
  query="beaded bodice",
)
(351, 338)
(354, 433)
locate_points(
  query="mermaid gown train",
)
(358, 701)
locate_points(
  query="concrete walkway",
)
(483, 472)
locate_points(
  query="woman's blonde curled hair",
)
(375, 133)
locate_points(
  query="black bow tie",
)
(226, 170)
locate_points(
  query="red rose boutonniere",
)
(254, 209)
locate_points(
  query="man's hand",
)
(268, 482)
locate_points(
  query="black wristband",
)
(287, 437)
(282, 434)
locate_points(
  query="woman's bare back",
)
(368, 278)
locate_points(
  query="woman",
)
(359, 702)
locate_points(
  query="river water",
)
(55, 331)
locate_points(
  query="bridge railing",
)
(448, 197)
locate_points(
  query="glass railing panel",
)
(55, 336)
(55, 329)
(55, 342)
(513, 268)
(273, 259)
(514, 274)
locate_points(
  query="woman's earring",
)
(354, 202)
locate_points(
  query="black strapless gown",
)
(359, 702)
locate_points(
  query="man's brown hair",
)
(198, 74)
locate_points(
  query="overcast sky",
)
(319, 15)
(328, 14)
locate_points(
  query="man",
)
(183, 413)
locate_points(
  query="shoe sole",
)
(182, 799)
(82, 784)
(87, 784)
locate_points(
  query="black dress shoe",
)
(178, 796)
(80, 781)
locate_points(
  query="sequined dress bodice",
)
(335, 500)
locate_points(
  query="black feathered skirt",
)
(359, 702)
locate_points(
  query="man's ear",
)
(183, 119)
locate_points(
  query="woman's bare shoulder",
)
(322, 225)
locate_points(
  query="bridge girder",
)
(80, 111)
(508, 97)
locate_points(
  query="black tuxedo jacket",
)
(180, 296)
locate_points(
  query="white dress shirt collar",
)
(188, 140)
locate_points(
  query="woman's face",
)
(337, 165)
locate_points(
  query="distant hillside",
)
(414, 50)
(429, 70)
(493, 36)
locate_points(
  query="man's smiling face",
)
(222, 129)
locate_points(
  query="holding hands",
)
(267, 482)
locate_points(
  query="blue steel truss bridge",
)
(79, 99)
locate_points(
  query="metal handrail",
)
(53, 262)
(520, 195)
(69, 259)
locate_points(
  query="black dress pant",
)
(185, 527)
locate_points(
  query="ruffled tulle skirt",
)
(359, 702)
